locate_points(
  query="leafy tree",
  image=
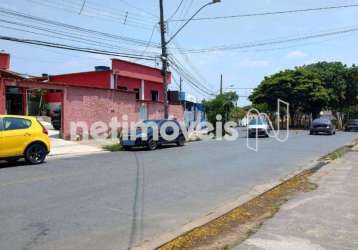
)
(221, 105)
(352, 86)
(237, 114)
(302, 88)
(333, 77)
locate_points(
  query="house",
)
(125, 89)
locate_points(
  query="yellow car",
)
(23, 137)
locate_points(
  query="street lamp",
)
(164, 43)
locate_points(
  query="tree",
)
(333, 77)
(237, 114)
(221, 105)
(300, 87)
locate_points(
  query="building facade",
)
(126, 89)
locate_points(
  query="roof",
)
(11, 74)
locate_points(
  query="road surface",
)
(118, 200)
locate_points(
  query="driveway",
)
(119, 200)
(63, 148)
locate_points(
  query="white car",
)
(257, 127)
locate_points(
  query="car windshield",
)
(258, 121)
(322, 121)
(153, 121)
(353, 121)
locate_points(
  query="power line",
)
(75, 48)
(149, 40)
(138, 8)
(267, 43)
(190, 64)
(189, 74)
(188, 78)
(76, 28)
(176, 10)
(269, 13)
(93, 12)
(62, 35)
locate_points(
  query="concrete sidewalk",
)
(326, 218)
(62, 148)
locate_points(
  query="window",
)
(1, 125)
(11, 123)
(155, 95)
(137, 93)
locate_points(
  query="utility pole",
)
(164, 58)
(221, 84)
(180, 84)
(164, 43)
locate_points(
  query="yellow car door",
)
(2, 146)
(16, 135)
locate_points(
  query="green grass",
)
(113, 147)
(337, 153)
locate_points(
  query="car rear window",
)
(12, 123)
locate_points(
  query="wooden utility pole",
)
(221, 84)
(180, 84)
(164, 58)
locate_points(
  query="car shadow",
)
(20, 163)
(162, 147)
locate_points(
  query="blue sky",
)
(241, 68)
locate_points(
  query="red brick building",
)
(124, 89)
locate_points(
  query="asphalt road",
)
(117, 200)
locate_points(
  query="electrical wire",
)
(74, 48)
(176, 10)
(185, 75)
(269, 13)
(77, 28)
(267, 43)
(93, 12)
(189, 74)
(63, 36)
(190, 64)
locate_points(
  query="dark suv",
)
(352, 125)
(323, 125)
(147, 138)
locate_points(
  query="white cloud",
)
(296, 53)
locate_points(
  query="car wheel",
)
(181, 141)
(35, 154)
(152, 145)
(312, 133)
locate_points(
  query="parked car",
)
(258, 126)
(23, 137)
(323, 125)
(351, 125)
(56, 119)
(140, 138)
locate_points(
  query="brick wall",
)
(2, 97)
(156, 111)
(93, 105)
(177, 112)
